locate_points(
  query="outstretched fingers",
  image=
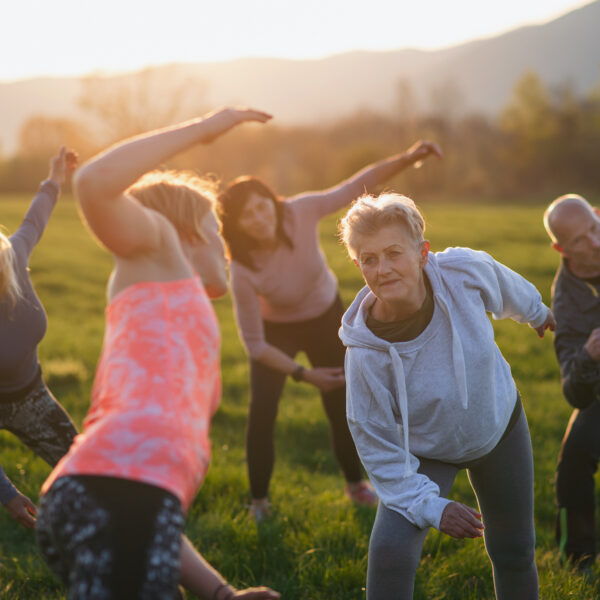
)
(250, 114)
(423, 149)
(63, 164)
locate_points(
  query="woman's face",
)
(258, 218)
(392, 264)
(208, 258)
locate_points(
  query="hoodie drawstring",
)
(403, 401)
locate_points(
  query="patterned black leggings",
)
(39, 421)
(107, 538)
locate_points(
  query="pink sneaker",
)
(362, 493)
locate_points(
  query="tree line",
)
(545, 141)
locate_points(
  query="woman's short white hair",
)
(368, 214)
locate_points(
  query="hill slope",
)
(477, 76)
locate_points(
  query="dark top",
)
(576, 307)
(405, 329)
(23, 327)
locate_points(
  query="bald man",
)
(574, 228)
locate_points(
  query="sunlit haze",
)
(72, 37)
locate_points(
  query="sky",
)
(75, 37)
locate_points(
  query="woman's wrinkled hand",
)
(549, 323)
(460, 521)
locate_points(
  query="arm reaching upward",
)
(100, 184)
(368, 178)
(39, 212)
(62, 165)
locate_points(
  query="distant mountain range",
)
(475, 76)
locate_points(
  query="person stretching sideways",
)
(429, 393)
(27, 407)
(286, 300)
(111, 518)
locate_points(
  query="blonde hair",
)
(183, 197)
(9, 284)
(368, 214)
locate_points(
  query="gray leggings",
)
(503, 484)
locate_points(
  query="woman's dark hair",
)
(231, 203)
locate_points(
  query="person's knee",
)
(393, 556)
(512, 554)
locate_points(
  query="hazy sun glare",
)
(66, 37)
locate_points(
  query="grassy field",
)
(315, 547)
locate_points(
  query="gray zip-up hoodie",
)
(446, 395)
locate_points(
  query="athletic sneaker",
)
(260, 509)
(362, 493)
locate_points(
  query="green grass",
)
(315, 547)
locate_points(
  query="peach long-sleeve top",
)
(289, 284)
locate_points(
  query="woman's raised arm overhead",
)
(101, 184)
(369, 177)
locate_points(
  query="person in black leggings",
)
(318, 339)
(286, 300)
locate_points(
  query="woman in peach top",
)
(110, 523)
(286, 300)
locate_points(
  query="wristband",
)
(298, 373)
(218, 589)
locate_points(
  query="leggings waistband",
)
(24, 391)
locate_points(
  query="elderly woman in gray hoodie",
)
(429, 393)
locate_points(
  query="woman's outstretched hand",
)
(325, 378)
(225, 119)
(62, 165)
(421, 150)
(460, 521)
